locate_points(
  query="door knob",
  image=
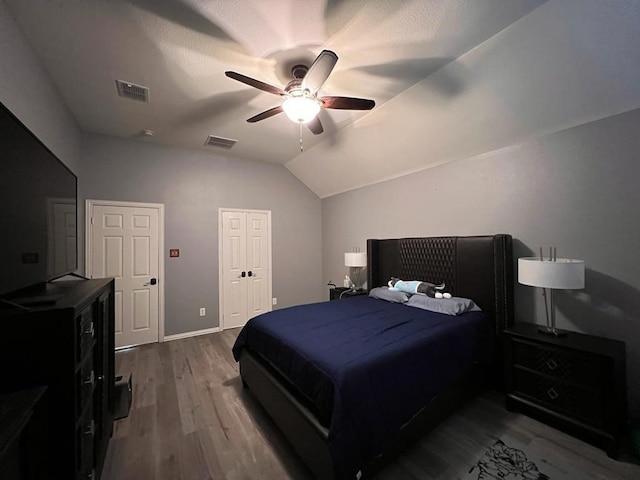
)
(250, 273)
(153, 281)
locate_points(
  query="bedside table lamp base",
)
(550, 312)
(552, 332)
(554, 273)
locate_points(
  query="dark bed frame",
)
(476, 267)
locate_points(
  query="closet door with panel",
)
(245, 265)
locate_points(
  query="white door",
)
(124, 243)
(245, 265)
(258, 264)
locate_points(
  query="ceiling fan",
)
(301, 102)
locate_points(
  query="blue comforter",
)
(366, 365)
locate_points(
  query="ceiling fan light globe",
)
(301, 109)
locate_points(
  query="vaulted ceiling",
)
(450, 78)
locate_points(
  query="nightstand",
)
(575, 383)
(342, 292)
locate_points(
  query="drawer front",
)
(86, 333)
(85, 441)
(85, 384)
(583, 370)
(562, 397)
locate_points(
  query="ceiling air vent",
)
(133, 91)
(220, 142)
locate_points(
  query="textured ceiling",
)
(388, 51)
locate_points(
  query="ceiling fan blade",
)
(319, 71)
(266, 114)
(315, 126)
(347, 103)
(255, 83)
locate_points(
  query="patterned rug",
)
(507, 459)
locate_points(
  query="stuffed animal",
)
(417, 286)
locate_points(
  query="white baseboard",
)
(195, 333)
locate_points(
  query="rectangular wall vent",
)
(220, 142)
(133, 91)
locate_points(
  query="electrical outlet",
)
(274, 301)
(203, 311)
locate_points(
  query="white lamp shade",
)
(562, 273)
(301, 109)
(355, 259)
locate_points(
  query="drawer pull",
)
(90, 330)
(552, 393)
(91, 379)
(91, 429)
(551, 364)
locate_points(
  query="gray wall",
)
(576, 190)
(193, 185)
(26, 90)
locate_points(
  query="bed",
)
(353, 382)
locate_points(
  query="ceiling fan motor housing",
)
(299, 71)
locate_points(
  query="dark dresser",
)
(576, 383)
(62, 336)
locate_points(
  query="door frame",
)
(89, 204)
(221, 210)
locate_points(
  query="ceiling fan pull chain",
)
(301, 146)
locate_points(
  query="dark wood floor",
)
(191, 419)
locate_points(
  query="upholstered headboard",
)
(476, 267)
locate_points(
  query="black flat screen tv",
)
(38, 205)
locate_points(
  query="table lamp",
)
(356, 260)
(551, 274)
